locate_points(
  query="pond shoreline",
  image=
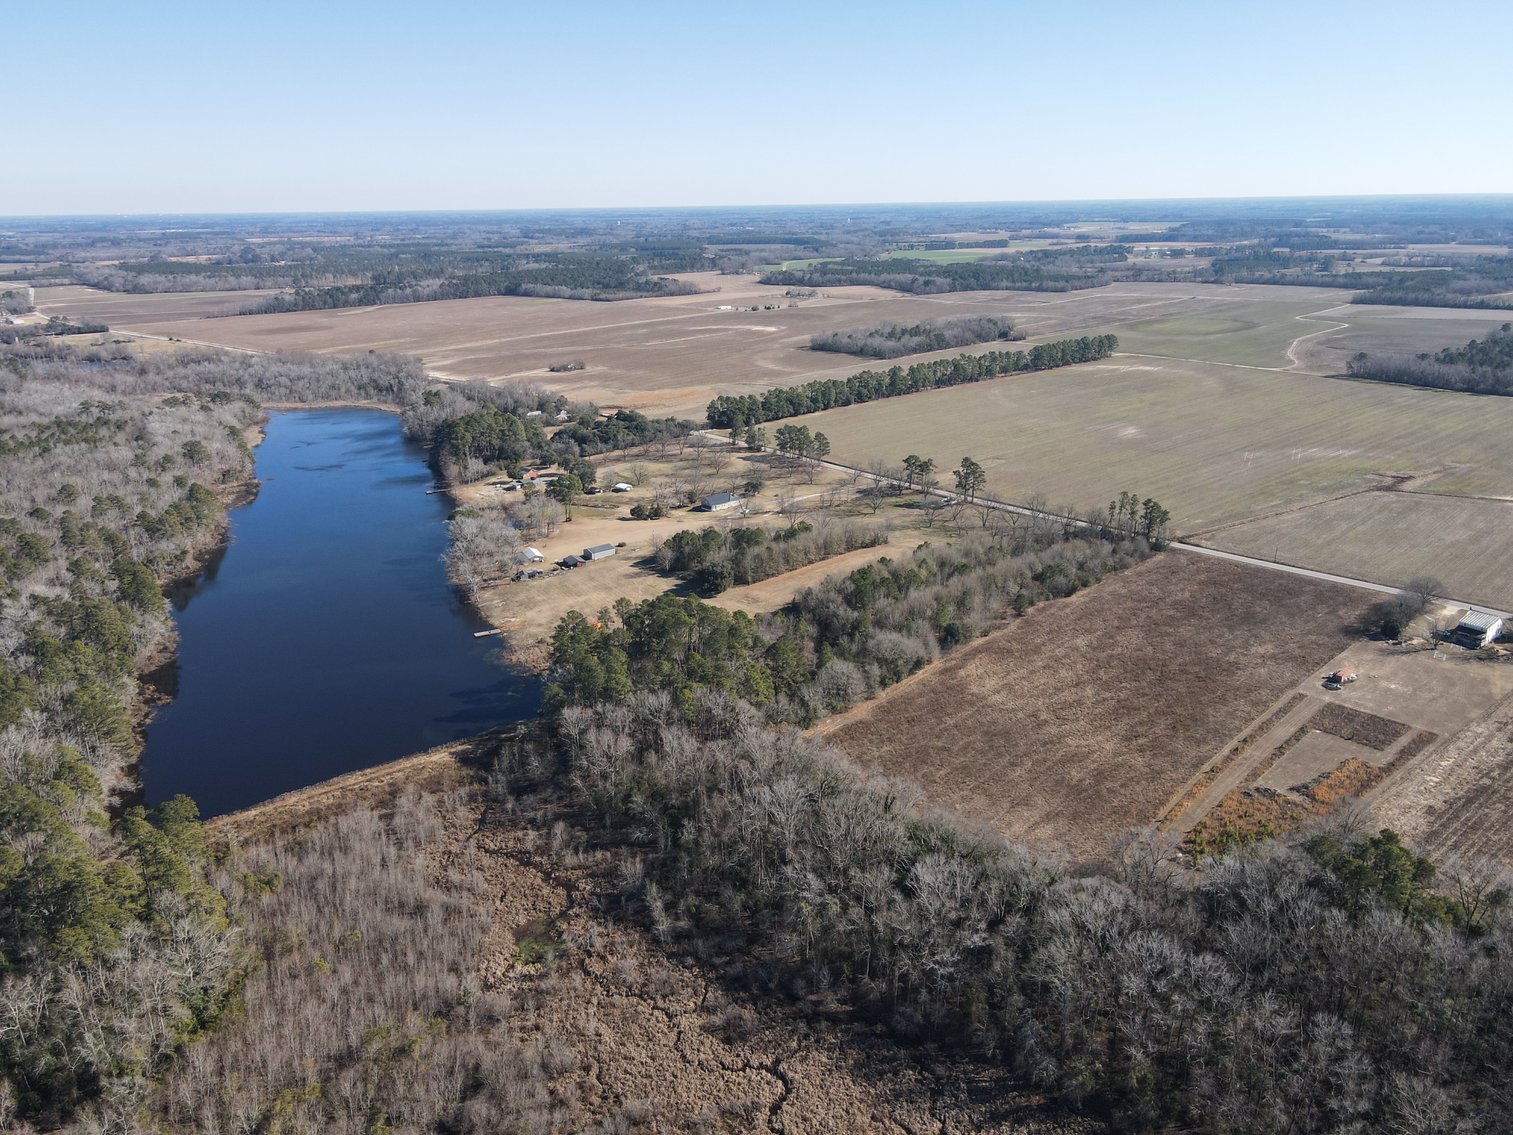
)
(157, 675)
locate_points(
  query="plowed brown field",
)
(1081, 720)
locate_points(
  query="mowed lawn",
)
(1082, 720)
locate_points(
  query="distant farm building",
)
(718, 502)
(571, 561)
(1477, 629)
(599, 552)
(529, 556)
(620, 487)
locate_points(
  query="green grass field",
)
(1216, 444)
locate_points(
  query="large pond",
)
(327, 637)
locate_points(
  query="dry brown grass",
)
(1083, 719)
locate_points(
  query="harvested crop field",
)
(1456, 800)
(1379, 329)
(113, 308)
(1081, 720)
(672, 354)
(1467, 542)
(1252, 461)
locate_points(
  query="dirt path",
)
(1297, 363)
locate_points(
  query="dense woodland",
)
(737, 411)
(892, 340)
(1058, 270)
(582, 278)
(1480, 367)
(714, 560)
(115, 947)
(835, 644)
(1330, 983)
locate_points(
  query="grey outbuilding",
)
(599, 552)
(1476, 629)
(719, 502)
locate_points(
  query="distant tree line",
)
(890, 340)
(737, 411)
(1047, 270)
(565, 277)
(1484, 367)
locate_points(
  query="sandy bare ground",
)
(1081, 720)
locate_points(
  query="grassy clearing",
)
(1081, 720)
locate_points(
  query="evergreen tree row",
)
(737, 411)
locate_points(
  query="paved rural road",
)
(1269, 565)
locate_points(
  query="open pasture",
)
(1081, 720)
(672, 354)
(1249, 327)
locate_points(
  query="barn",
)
(529, 556)
(599, 552)
(1476, 629)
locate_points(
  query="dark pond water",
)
(327, 638)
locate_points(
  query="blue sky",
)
(174, 107)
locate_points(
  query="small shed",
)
(571, 561)
(1477, 629)
(599, 552)
(718, 502)
(620, 487)
(529, 556)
